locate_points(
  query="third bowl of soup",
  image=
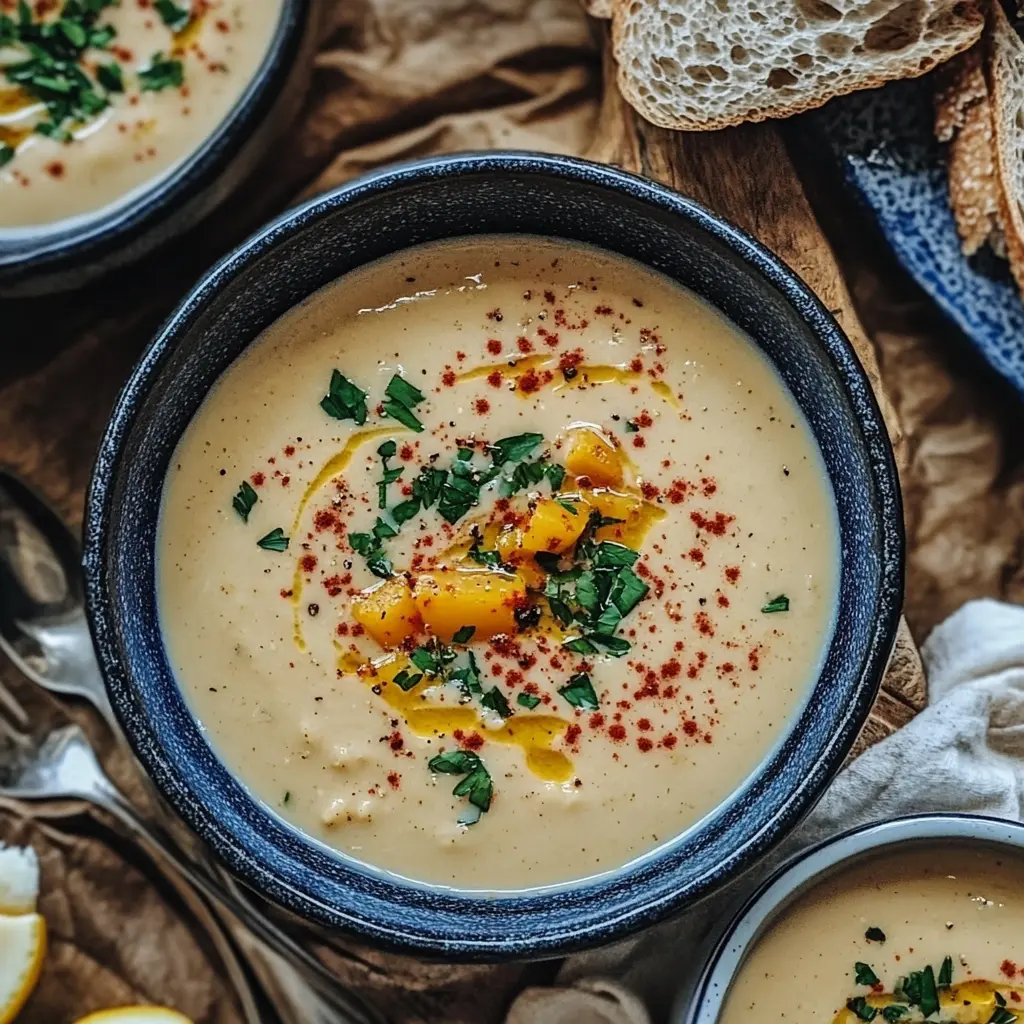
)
(495, 555)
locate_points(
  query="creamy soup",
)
(934, 934)
(497, 563)
(98, 99)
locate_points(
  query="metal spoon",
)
(43, 630)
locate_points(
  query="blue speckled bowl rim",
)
(124, 224)
(420, 920)
(808, 867)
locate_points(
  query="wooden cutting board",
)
(745, 174)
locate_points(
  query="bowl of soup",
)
(910, 920)
(495, 555)
(124, 124)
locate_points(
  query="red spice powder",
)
(55, 169)
(474, 741)
(258, 479)
(524, 344)
(754, 659)
(285, 593)
(703, 624)
(708, 486)
(406, 452)
(1008, 967)
(649, 491)
(604, 310)
(357, 630)
(638, 441)
(572, 734)
(494, 346)
(644, 725)
(333, 586)
(644, 419)
(549, 297)
(494, 378)
(677, 492)
(308, 563)
(596, 720)
(723, 601)
(460, 355)
(342, 629)
(690, 727)
(636, 365)
(695, 555)
(495, 314)
(716, 526)
(668, 741)
(529, 382)
(617, 732)
(732, 573)
(448, 378)
(482, 406)
(289, 450)
(326, 519)
(644, 744)
(671, 669)
(395, 741)
(551, 338)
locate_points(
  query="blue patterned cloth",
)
(885, 143)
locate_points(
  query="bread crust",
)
(966, 22)
(1005, 79)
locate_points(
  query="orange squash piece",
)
(552, 527)
(592, 455)
(448, 599)
(388, 612)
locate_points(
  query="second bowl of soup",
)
(484, 560)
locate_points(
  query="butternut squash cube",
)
(449, 599)
(509, 544)
(636, 514)
(388, 612)
(593, 456)
(552, 527)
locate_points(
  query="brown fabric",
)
(397, 80)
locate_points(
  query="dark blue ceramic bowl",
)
(69, 254)
(366, 220)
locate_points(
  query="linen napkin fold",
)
(964, 752)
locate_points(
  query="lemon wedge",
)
(136, 1015)
(22, 949)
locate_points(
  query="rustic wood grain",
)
(745, 174)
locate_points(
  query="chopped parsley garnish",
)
(515, 448)
(776, 604)
(461, 490)
(434, 658)
(162, 73)
(426, 488)
(609, 555)
(632, 426)
(463, 634)
(406, 680)
(569, 506)
(6, 153)
(579, 692)
(1001, 1015)
(344, 401)
(859, 1007)
(492, 559)
(476, 785)
(528, 700)
(244, 500)
(52, 71)
(274, 541)
(173, 16)
(494, 700)
(468, 678)
(386, 451)
(864, 975)
(110, 76)
(529, 474)
(370, 546)
(402, 398)
(894, 1013)
(920, 990)
(874, 935)
(945, 978)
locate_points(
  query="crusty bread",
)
(701, 64)
(963, 118)
(1005, 77)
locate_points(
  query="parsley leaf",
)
(370, 547)
(579, 692)
(893, 1013)
(162, 73)
(402, 398)
(515, 448)
(477, 785)
(274, 541)
(494, 700)
(344, 401)
(406, 680)
(244, 500)
(527, 700)
(387, 451)
(6, 153)
(173, 16)
(776, 604)
(609, 555)
(468, 678)
(110, 76)
(945, 978)
(463, 635)
(864, 975)
(859, 1007)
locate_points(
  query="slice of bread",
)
(1005, 78)
(963, 118)
(702, 64)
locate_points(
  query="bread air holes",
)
(836, 45)
(900, 28)
(780, 78)
(818, 10)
